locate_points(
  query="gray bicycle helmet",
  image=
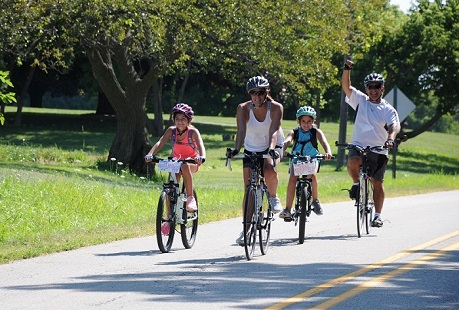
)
(257, 82)
(373, 78)
(306, 111)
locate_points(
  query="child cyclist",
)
(186, 143)
(305, 138)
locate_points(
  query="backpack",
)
(313, 139)
(190, 138)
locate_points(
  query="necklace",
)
(254, 107)
(179, 133)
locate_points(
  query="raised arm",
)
(346, 78)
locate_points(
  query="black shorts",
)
(377, 163)
(246, 161)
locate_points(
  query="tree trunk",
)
(425, 126)
(22, 95)
(103, 105)
(131, 141)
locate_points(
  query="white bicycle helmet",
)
(373, 78)
(257, 82)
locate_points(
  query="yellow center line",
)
(332, 283)
(385, 277)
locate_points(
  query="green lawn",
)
(55, 197)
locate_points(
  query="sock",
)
(377, 214)
(355, 183)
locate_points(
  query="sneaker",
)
(165, 228)
(275, 204)
(240, 239)
(353, 192)
(377, 222)
(317, 207)
(191, 204)
(285, 214)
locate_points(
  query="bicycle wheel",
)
(165, 223)
(360, 204)
(369, 206)
(249, 223)
(264, 221)
(304, 198)
(189, 227)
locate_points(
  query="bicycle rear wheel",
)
(250, 224)
(165, 223)
(264, 221)
(304, 198)
(189, 227)
(360, 204)
(369, 206)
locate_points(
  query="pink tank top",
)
(182, 149)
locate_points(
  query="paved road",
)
(410, 263)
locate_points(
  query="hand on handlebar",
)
(274, 154)
(231, 153)
(389, 144)
(149, 158)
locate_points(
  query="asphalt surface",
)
(412, 262)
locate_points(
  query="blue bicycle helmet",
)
(306, 111)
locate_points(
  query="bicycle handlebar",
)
(307, 158)
(155, 159)
(252, 155)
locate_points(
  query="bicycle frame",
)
(303, 196)
(257, 217)
(171, 209)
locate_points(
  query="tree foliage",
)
(422, 59)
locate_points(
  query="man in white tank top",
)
(259, 130)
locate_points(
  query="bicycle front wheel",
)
(165, 223)
(265, 216)
(250, 223)
(304, 198)
(189, 227)
(360, 206)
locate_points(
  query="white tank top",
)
(257, 133)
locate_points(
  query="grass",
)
(54, 196)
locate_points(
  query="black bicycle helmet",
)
(373, 78)
(257, 82)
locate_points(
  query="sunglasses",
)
(257, 92)
(378, 86)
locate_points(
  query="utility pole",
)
(341, 156)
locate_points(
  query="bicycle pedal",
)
(288, 219)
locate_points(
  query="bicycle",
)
(258, 214)
(171, 209)
(304, 166)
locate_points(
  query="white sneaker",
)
(191, 205)
(275, 204)
(240, 239)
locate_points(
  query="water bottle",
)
(180, 207)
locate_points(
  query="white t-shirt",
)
(371, 119)
(257, 137)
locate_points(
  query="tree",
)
(5, 95)
(422, 58)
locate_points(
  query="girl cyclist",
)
(305, 138)
(186, 143)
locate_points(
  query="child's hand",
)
(199, 160)
(328, 156)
